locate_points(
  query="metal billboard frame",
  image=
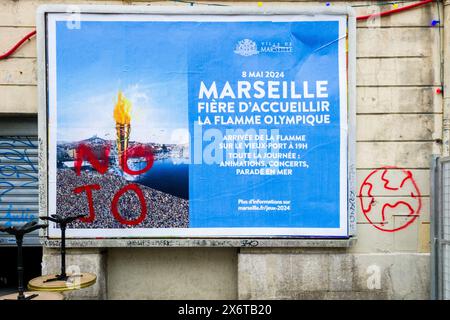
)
(293, 9)
(440, 285)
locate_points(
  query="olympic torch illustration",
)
(122, 116)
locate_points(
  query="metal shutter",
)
(18, 176)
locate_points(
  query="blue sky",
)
(148, 61)
(101, 58)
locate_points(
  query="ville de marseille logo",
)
(246, 48)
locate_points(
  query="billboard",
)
(197, 124)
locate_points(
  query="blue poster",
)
(199, 126)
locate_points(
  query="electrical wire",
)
(441, 50)
(380, 4)
(201, 3)
(17, 45)
(389, 12)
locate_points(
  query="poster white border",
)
(47, 17)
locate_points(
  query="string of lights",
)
(260, 4)
(378, 4)
(395, 10)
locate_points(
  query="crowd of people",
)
(163, 210)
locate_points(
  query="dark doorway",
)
(32, 257)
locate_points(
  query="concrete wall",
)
(399, 123)
(172, 273)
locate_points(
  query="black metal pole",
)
(19, 240)
(62, 225)
(63, 251)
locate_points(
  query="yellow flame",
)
(122, 110)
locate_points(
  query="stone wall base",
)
(315, 275)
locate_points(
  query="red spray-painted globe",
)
(387, 193)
